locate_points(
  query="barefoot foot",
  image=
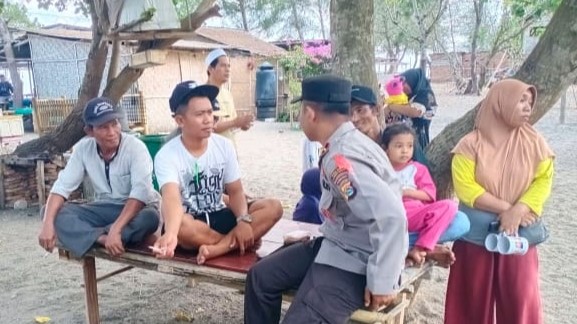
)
(203, 254)
(417, 255)
(442, 255)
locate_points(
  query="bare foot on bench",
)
(442, 255)
(211, 251)
(415, 257)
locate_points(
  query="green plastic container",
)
(23, 111)
(153, 144)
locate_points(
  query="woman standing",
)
(503, 167)
(421, 107)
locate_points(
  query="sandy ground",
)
(33, 285)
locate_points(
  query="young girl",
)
(426, 216)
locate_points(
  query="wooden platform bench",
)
(230, 271)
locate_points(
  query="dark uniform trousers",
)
(325, 294)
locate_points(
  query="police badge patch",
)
(340, 176)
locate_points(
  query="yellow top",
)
(226, 103)
(468, 190)
(401, 99)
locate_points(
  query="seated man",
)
(193, 171)
(120, 169)
(358, 261)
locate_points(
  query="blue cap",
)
(100, 111)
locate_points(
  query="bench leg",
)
(91, 291)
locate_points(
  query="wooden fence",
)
(50, 113)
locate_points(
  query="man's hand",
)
(165, 246)
(47, 237)
(377, 302)
(113, 243)
(244, 122)
(243, 237)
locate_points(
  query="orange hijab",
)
(506, 158)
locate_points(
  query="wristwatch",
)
(244, 218)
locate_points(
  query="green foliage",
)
(148, 13)
(60, 5)
(16, 15)
(296, 66)
(185, 7)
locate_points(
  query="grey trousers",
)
(325, 294)
(78, 226)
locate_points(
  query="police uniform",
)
(364, 239)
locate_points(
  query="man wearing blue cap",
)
(218, 70)
(119, 168)
(359, 259)
(193, 171)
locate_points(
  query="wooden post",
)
(563, 107)
(40, 183)
(91, 291)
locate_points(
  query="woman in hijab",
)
(307, 209)
(504, 168)
(421, 107)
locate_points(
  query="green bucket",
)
(153, 144)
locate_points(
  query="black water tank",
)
(266, 91)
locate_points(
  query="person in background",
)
(421, 108)
(311, 153)
(6, 91)
(218, 70)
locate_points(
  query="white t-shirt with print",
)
(200, 179)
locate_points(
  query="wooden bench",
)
(230, 271)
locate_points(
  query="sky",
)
(53, 16)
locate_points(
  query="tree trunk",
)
(296, 22)
(352, 38)
(112, 71)
(242, 8)
(478, 5)
(322, 18)
(12, 65)
(551, 67)
(72, 129)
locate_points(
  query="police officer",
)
(359, 259)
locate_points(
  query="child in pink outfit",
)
(425, 215)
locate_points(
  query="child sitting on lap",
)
(425, 215)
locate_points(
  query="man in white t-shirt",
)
(193, 171)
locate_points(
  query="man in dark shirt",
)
(6, 89)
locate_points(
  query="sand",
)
(33, 285)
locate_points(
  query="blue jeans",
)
(458, 227)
